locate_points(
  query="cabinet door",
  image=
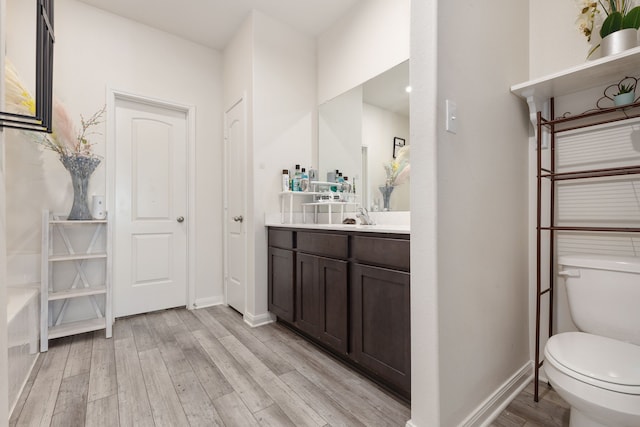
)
(380, 325)
(332, 278)
(281, 283)
(307, 295)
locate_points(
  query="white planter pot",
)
(624, 99)
(619, 41)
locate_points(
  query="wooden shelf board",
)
(591, 74)
(75, 293)
(300, 193)
(329, 203)
(72, 257)
(79, 327)
(78, 222)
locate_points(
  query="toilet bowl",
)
(597, 370)
(598, 376)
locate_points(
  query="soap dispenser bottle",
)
(296, 179)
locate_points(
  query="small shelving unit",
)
(287, 197)
(554, 127)
(539, 95)
(58, 235)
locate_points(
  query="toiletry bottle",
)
(331, 176)
(346, 186)
(285, 180)
(304, 180)
(296, 179)
(334, 188)
(313, 174)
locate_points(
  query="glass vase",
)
(80, 168)
(386, 191)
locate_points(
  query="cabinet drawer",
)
(381, 251)
(331, 245)
(281, 239)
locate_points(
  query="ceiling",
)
(388, 90)
(214, 22)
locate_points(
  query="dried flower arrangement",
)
(398, 170)
(64, 139)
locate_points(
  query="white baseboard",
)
(208, 302)
(258, 320)
(500, 399)
(410, 424)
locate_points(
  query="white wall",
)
(276, 66)
(482, 203)
(379, 127)
(4, 375)
(340, 128)
(370, 39)
(554, 40)
(481, 206)
(425, 366)
(96, 50)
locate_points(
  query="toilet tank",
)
(604, 294)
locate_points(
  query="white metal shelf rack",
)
(52, 325)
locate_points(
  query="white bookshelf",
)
(60, 244)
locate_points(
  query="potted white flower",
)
(619, 28)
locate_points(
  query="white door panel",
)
(150, 245)
(235, 255)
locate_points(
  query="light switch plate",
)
(452, 116)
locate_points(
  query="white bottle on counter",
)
(285, 180)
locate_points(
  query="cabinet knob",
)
(238, 218)
(180, 219)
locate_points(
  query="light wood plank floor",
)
(207, 368)
(198, 368)
(550, 410)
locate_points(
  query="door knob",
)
(180, 219)
(238, 218)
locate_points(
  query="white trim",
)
(489, 410)
(114, 95)
(207, 302)
(410, 424)
(258, 320)
(4, 340)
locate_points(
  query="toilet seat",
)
(596, 360)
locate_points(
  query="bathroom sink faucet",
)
(364, 217)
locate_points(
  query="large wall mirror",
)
(33, 21)
(361, 130)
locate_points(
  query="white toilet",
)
(597, 371)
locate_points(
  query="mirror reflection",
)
(361, 130)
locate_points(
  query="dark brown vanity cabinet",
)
(322, 288)
(380, 323)
(281, 275)
(380, 307)
(349, 292)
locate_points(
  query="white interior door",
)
(150, 228)
(235, 251)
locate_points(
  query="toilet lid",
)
(602, 361)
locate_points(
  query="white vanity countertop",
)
(383, 228)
